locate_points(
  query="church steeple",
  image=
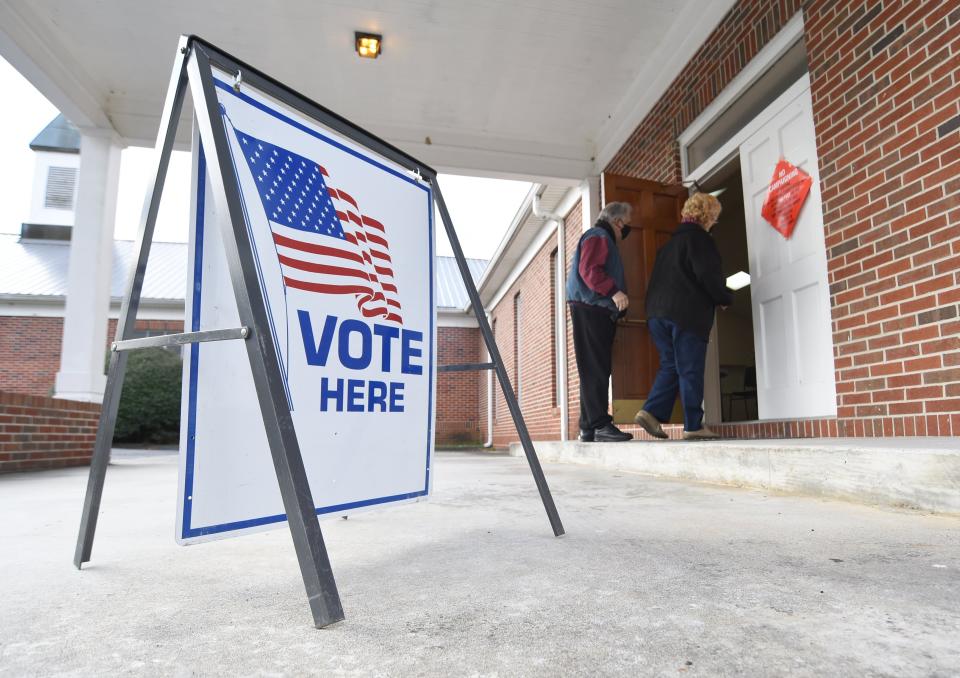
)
(57, 149)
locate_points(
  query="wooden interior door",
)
(656, 213)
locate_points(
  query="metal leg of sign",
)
(499, 368)
(128, 311)
(267, 375)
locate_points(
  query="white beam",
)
(590, 207)
(54, 76)
(556, 165)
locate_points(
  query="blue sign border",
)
(186, 529)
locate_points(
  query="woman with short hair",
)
(686, 286)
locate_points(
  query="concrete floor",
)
(654, 577)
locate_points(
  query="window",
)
(516, 345)
(61, 182)
(775, 81)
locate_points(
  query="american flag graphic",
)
(324, 242)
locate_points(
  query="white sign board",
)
(343, 240)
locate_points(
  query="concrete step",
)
(919, 473)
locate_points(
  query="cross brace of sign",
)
(193, 69)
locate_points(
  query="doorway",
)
(733, 360)
(788, 288)
(656, 212)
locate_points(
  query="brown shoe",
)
(701, 434)
(650, 424)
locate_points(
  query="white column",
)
(590, 194)
(83, 352)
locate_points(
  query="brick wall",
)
(457, 419)
(29, 354)
(30, 358)
(885, 84)
(30, 350)
(536, 341)
(42, 433)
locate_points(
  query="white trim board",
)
(549, 227)
(455, 318)
(726, 152)
(52, 307)
(694, 24)
(758, 65)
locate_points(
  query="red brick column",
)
(458, 407)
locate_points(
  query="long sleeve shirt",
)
(593, 259)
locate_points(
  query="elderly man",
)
(597, 296)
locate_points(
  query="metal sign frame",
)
(192, 69)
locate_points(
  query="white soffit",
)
(520, 89)
(523, 239)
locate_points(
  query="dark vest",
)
(577, 290)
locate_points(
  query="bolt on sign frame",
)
(192, 69)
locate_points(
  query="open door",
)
(656, 213)
(790, 296)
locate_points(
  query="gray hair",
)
(616, 210)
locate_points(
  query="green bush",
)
(150, 401)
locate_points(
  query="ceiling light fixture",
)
(368, 45)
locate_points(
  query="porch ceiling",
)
(517, 88)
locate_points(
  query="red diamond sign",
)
(788, 190)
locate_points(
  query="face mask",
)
(625, 231)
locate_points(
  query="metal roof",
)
(35, 268)
(450, 290)
(59, 136)
(32, 268)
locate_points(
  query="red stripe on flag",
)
(326, 289)
(367, 221)
(344, 196)
(377, 239)
(380, 311)
(315, 249)
(322, 268)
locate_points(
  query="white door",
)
(788, 277)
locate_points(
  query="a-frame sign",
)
(356, 293)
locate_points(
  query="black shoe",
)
(586, 435)
(611, 434)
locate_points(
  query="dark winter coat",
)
(687, 282)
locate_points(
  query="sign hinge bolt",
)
(244, 332)
(237, 80)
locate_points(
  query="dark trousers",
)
(593, 331)
(683, 357)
